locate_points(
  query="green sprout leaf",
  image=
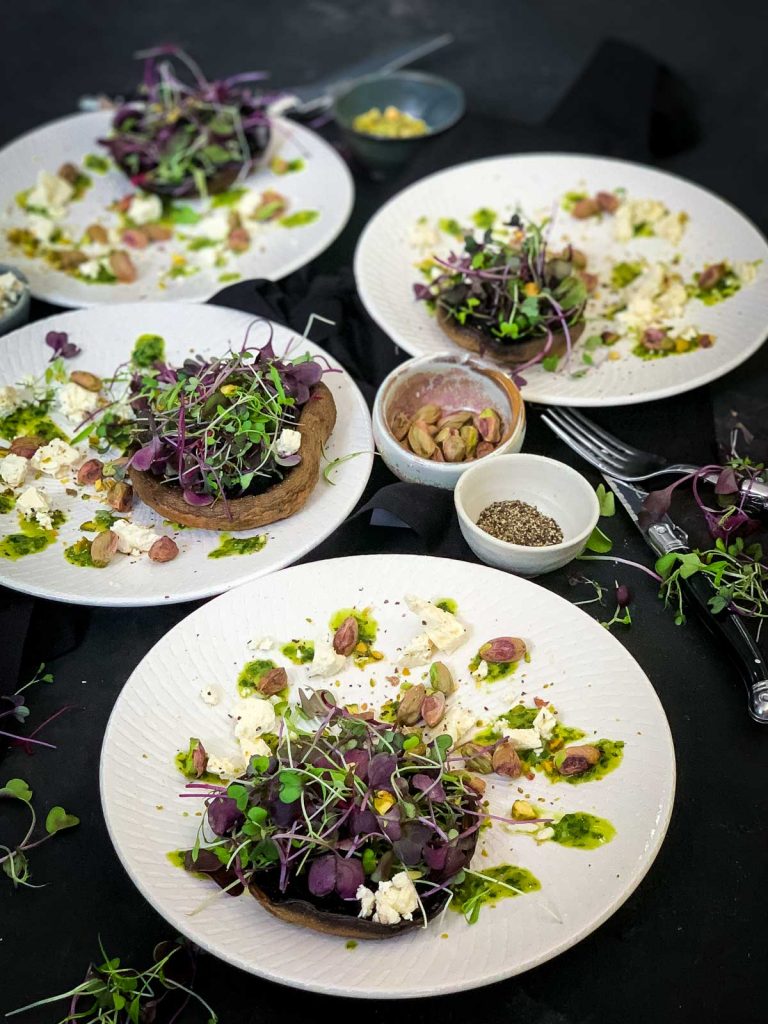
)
(17, 789)
(599, 542)
(606, 500)
(58, 819)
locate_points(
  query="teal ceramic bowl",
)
(436, 101)
(18, 314)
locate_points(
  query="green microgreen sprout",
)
(14, 860)
(111, 994)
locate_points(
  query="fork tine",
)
(620, 460)
(587, 452)
(609, 439)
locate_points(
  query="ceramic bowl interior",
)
(453, 386)
(552, 487)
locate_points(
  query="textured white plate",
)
(106, 336)
(385, 272)
(324, 184)
(589, 676)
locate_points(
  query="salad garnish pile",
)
(511, 289)
(222, 427)
(183, 139)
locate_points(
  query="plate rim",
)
(203, 592)
(292, 265)
(457, 985)
(572, 401)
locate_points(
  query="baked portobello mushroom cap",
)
(512, 353)
(328, 914)
(283, 499)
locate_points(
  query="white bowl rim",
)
(506, 545)
(461, 361)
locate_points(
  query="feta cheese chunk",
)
(424, 237)
(55, 457)
(214, 225)
(652, 213)
(367, 901)
(145, 209)
(523, 739)
(544, 723)
(77, 402)
(288, 443)
(325, 662)
(133, 539)
(458, 723)
(481, 672)
(41, 228)
(417, 651)
(210, 695)
(51, 193)
(13, 469)
(654, 298)
(11, 399)
(254, 716)
(225, 767)
(33, 505)
(11, 290)
(396, 900)
(262, 643)
(92, 268)
(443, 629)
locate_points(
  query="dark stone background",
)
(690, 943)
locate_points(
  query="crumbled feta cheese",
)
(33, 505)
(289, 442)
(55, 457)
(13, 469)
(224, 767)
(11, 399)
(458, 722)
(417, 651)
(211, 695)
(656, 297)
(325, 662)
(133, 539)
(40, 227)
(544, 833)
(396, 900)
(367, 900)
(214, 225)
(51, 193)
(523, 739)
(91, 268)
(424, 237)
(745, 271)
(544, 723)
(262, 643)
(145, 209)
(249, 203)
(481, 671)
(443, 629)
(34, 389)
(77, 402)
(633, 213)
(254, 716)
(671, 227)
(11, 290)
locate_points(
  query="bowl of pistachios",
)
(437, 415)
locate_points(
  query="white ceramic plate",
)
(324, 184)
(385, 273)
(106, 336)
(588, 675)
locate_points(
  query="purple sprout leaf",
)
(223, 815)
(145, 457)
(432, 787)
(656, 506)
(62, 347)
(409, 848)
(380, 771)
(322, 875)
(349, 876)
(727, 481)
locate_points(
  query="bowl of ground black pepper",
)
(525, 513)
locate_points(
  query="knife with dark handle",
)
(665, 537)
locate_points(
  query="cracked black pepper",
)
(517, 522)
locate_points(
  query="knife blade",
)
(666, 536)
(319, 94)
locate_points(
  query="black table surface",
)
(690, 943)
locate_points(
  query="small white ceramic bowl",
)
(554, 488)
(452, 381)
